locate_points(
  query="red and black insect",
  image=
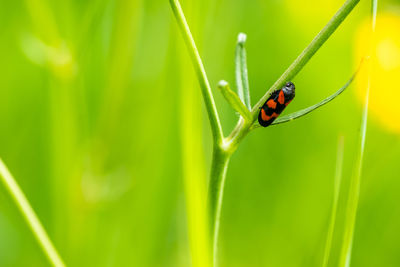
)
(275, 104)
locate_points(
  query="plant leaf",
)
(242, 80)
(233, 99)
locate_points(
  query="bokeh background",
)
(95, 100)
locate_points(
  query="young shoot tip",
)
(222, 83)
(242, 37)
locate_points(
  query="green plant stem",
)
(223, 148)
(216, 190)
(200, 72)
(30, 217)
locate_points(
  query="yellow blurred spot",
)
(385, 69)
(388, 54)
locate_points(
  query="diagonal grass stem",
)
(30, 216)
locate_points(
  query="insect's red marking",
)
(274, 115)
(288, 103)
(264, 116)
(271, 104)
(281, 97)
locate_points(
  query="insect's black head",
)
(289, 90)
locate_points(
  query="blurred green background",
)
(92, 98)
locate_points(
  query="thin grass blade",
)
(354, 191)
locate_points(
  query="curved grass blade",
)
(242, 79)
(233, 99)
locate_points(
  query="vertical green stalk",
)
(216, 191)
(30, 216)
(354, 191)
